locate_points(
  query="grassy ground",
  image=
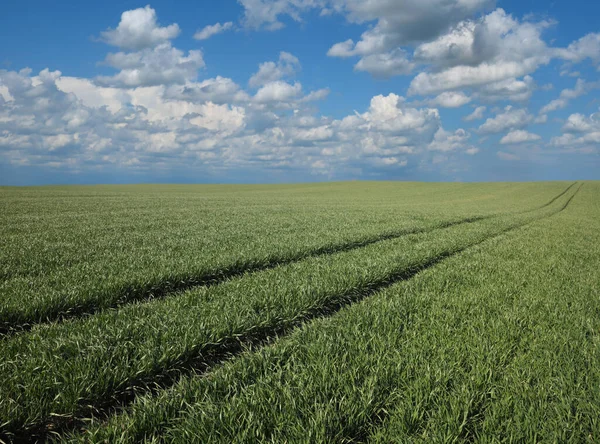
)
(382, 312)
(77, 250)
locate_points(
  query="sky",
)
(269, 91)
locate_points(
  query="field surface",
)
(340, 312)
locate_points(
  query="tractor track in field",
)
(200, 361)
(165, 288)
(13, 323)
(558, 197)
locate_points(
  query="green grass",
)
(76, 250)
(485, 330)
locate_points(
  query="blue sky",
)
(299, 90)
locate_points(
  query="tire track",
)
(362, 435)
(559, 196)
(162, 289)
(15, 322)
(201, 360)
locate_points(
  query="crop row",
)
(71, 369)
(497, 344)
(66, 253)
(79, 291)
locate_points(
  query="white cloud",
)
(5, 93)
(519, 136)
(509, 89)
(210, 30)
(581, 134)
(278, 91)
(494, 49)
(91, 95)
(401, 23)
(218, 90)
(161, 65)
(586, 47)
(397, 24)
(388, 113)
(265, 13)
(313, 96)
(578, 123)
(467, 76)
(385, 65)
(155, 113)
(319, 133)
(493, 56)
(342, 49)
(477, 114)
(268, 72)
(451, 99)
(225, 119)
(48, 123)
(581, 87)
(446, 141)
(451, 49)
(138, 29)
(509, 119)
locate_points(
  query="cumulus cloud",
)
(509, 119)
(278, 91)
(385, 65)
(65, 121)
(109, 124)
(494, 49)
(397, 24)
(464, 76)
(586, 47)
(155, 110)
(451, 100)
(388, 113)
(160, 65)
(510, 89)
(578, 123)
(43, 125)
(5, 93)
(210, 30)
(402, 23)
(265, 14)
(218, 90)
(268, 72)
(92, 96)
(581, 134)
(519, 136)
(342, 49)
(138, 29)
(492, 56)
(566, 95)
(313, 96)
(446, 141)
(477, 114)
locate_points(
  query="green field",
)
(334, 312)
